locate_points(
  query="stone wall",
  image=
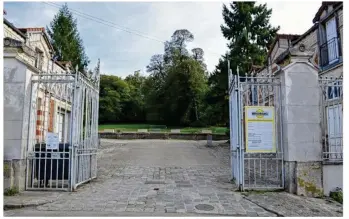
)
(310, 41)
(336, 71)
(36, 40)
(14, 174)
(8, 32)
(280, 47)
(181, 136)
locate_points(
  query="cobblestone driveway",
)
(169, 178)
(160, 176)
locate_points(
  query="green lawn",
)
(162, 128)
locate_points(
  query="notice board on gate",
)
(259, 129)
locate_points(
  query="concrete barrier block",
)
(143, 130)
(109, 130)
(175, 131)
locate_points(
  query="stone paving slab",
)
(128, 191)
(35, 213)
(288, 205)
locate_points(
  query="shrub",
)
(337, 195)
(198, 124)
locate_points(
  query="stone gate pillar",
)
(16, 120)
(301, 129)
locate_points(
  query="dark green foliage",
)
(179, 91)
(11, 191)
(337, 195)
(65, 39)
(173, 93)
(246, 26)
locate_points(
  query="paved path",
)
(156, 178)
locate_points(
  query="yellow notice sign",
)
(259, 129)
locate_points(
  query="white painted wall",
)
(16, 81)
(332, 177)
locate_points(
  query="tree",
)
(157, 67)
(65, 39)
(247, 27)
(175, 50)
(198, 55)
(113, 96)
(134, 109)
(249, 33)
(184, 91)
(172, 94)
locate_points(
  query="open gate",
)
(63, 131)
(256, 132)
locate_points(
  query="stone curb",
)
(15, 202)
(8, 206)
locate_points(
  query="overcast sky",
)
(122, 53)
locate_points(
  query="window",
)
(334, 90)
(332, 42)
(60, 125)
(39, 58)
(329, 42)
(334, 132)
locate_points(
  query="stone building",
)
(310, 67)
(28, 52)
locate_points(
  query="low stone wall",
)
(181, 136)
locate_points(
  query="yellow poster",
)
(259, 129)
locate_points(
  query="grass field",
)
(161, 128)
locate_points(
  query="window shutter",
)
(51, 115)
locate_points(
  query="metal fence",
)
(331, 105)
(63, 131)
(251, 170)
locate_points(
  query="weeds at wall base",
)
(11, 191)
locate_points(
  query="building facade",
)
(28, 53)
(311, 62)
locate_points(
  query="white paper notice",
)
(52, 141)
(259, 124)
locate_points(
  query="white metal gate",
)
(63, 131)
(255, 169)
